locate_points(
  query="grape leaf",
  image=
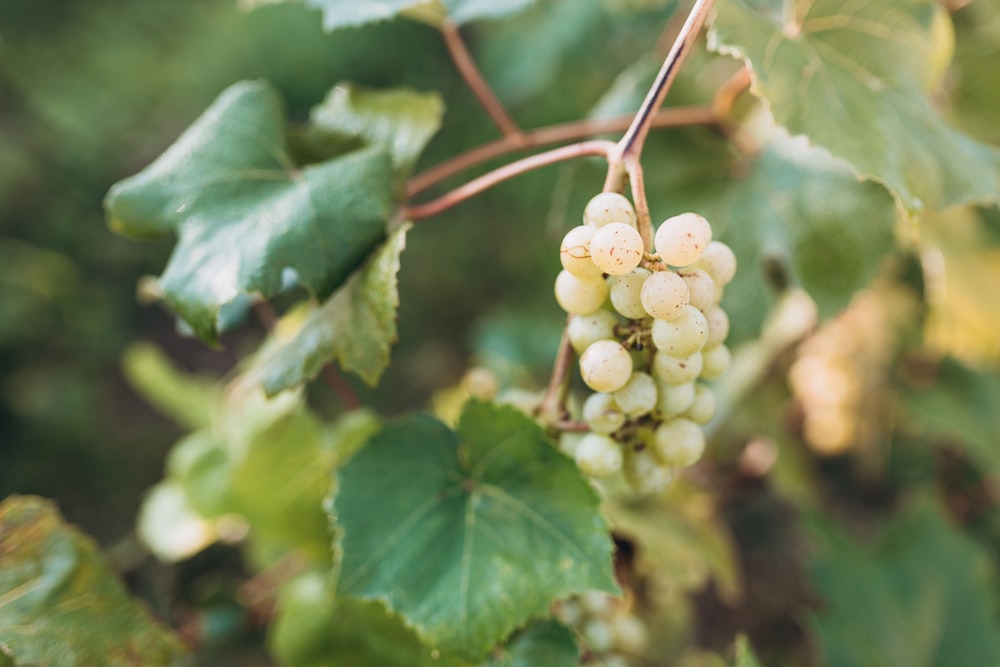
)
(960, 408)
(467, 535)
(849, 75)
(354, 13)
(59, 602)
(188, 400)
(356, 326)
(245, 215)
(923, 596)
(400, 121)
(801, 213)
(975, 98)
(541, 643)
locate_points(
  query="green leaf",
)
(468, 535)
(356, 326)
(354, 13)
(311, 629)
(959, 408)
(541, 643)
(745, 656)
(245, 215)
(399, 121)
(802, 214)
(977, 46)
(59, 602)
(850, 76)
(924, 596)
(187, 399)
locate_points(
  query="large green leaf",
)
(356, 326)
(59, 602)
(850, 76)
(804, 214)
(959, 408)
(924, 596)
(400, 121)
(245, 216)
(541, 643)
(467, 535)
(354, 13)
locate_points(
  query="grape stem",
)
(477, 83)
(552, 408)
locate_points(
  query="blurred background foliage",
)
(886, 482)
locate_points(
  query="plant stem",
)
(643, 218)
(488, 180)
(477, 83)
(635, 136)
(553, 134)
(552, 407)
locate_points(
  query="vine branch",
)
(477, 83)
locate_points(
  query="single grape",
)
(701, 288)
(677, 371)
(682, 239)
(580, 296)
(598, 635)
(606, 366)
(602, 414)
(682, 336)
(702, 409)
(629, 633)
(675, 398)
(718, 326)
(719, 261)
(598, 455)
(638, 396)
(597, 603)
(583, 330)
(568, 442)
(645, 472)
(664, 295)
(626, 293)
(616, 248)
(574, 252)
(608, 207)
(481, 383)
(715, 362)
(679, 442)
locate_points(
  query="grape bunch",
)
(647, 328)
(610, 629)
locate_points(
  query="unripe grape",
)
(679, 442)
(608, 207)
(719, 261)
(718, 326)
(584, 330)
(645, 472)
(616, 248)
(574, 252)
(481, 383)
(598, 635)
(715, 362)
(597, 603)
(629, 633)
(702, 409)
(664, 295)
(682, 336)
(598, 455)
(568, 442)
(638, 396)
(602, 414)
(682, 239)
(606, 366)
(580, 296)
(677, 371)
(674, 399)
(701, 288)
(626, 293)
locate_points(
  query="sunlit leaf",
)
(354, 13)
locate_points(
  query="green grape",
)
(598, 635)
(682, 239)
(718, 326)
(677, 371)
(606, 366)
(675, 398)
(616, 248)
(715, 362)
(626, 293)
(629, 633)
(584, 330)
(602, 414)
(645, 472)
(580, 296)
(598, 455)
(679, 442)
(608, 207)
(664, 295)
(682, 336)
(701, 288)
(574, 252)
(702, 408)
(719, 262)
(638, 396)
